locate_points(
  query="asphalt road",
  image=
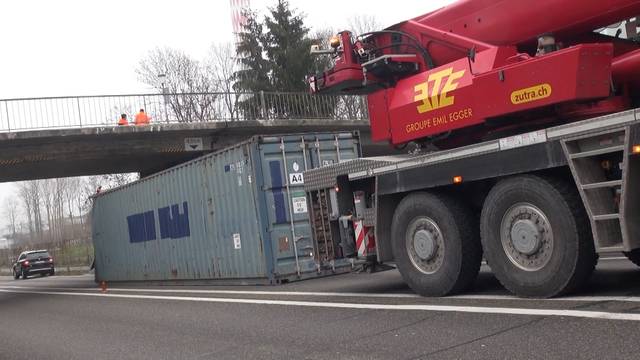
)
(354, 316)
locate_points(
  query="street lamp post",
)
(162, 77)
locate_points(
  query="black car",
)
(33, 262)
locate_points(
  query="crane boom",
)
(476, 68)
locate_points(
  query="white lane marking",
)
(484, 262)
(227, 292)
(413, 307)
(594, 298)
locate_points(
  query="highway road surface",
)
(353, 316)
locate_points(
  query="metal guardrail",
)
(104, 110)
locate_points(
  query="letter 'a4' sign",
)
(296, 179)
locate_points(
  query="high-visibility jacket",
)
(142, 119)
(123, 121)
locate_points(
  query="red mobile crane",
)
(532, 112)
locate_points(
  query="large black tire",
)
(25, 274)
(559, 254)
(454, 265)
(16, 275)
(634, 256)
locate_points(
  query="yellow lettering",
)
(437, 81)
(529, 94)
(431, 98)
(450, 85)
(460, 115)
(422, 94)
(439, 120)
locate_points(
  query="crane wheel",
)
(436, 245)
(536, 236)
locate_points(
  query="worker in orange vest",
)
(142, 118)
(123, 120)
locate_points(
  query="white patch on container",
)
(296, 179)
(193, 144)
(296, 167)
(299, 205)
(239, 180)
(249, 179)
(237, 244)
(530, 138)
(327, 162)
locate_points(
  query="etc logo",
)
(432, 94)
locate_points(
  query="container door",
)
(325, 150)
(284, 160)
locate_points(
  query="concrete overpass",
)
(30, 155)
(74, 136)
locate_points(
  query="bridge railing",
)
(97, 111)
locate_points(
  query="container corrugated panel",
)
(240, 213)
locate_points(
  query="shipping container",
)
(239, 215)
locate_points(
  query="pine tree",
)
(253, 75)
(274, 57)
(287, 47)
(287, 44)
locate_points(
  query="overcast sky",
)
(67, 47)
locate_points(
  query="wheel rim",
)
(425, 245)
(526, 236)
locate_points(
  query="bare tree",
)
(30, 196)
(54, 210)
(36, 191)
(11, 213)
(187, 86)
(25, 195)
(48, 192)
(117, 180)
(361, 24)
(61, 188)
(89, 186)
(70, 195)
(53, 195)
(221, 66)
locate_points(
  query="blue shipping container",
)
(239, 214)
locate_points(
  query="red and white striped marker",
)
(361, 244)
